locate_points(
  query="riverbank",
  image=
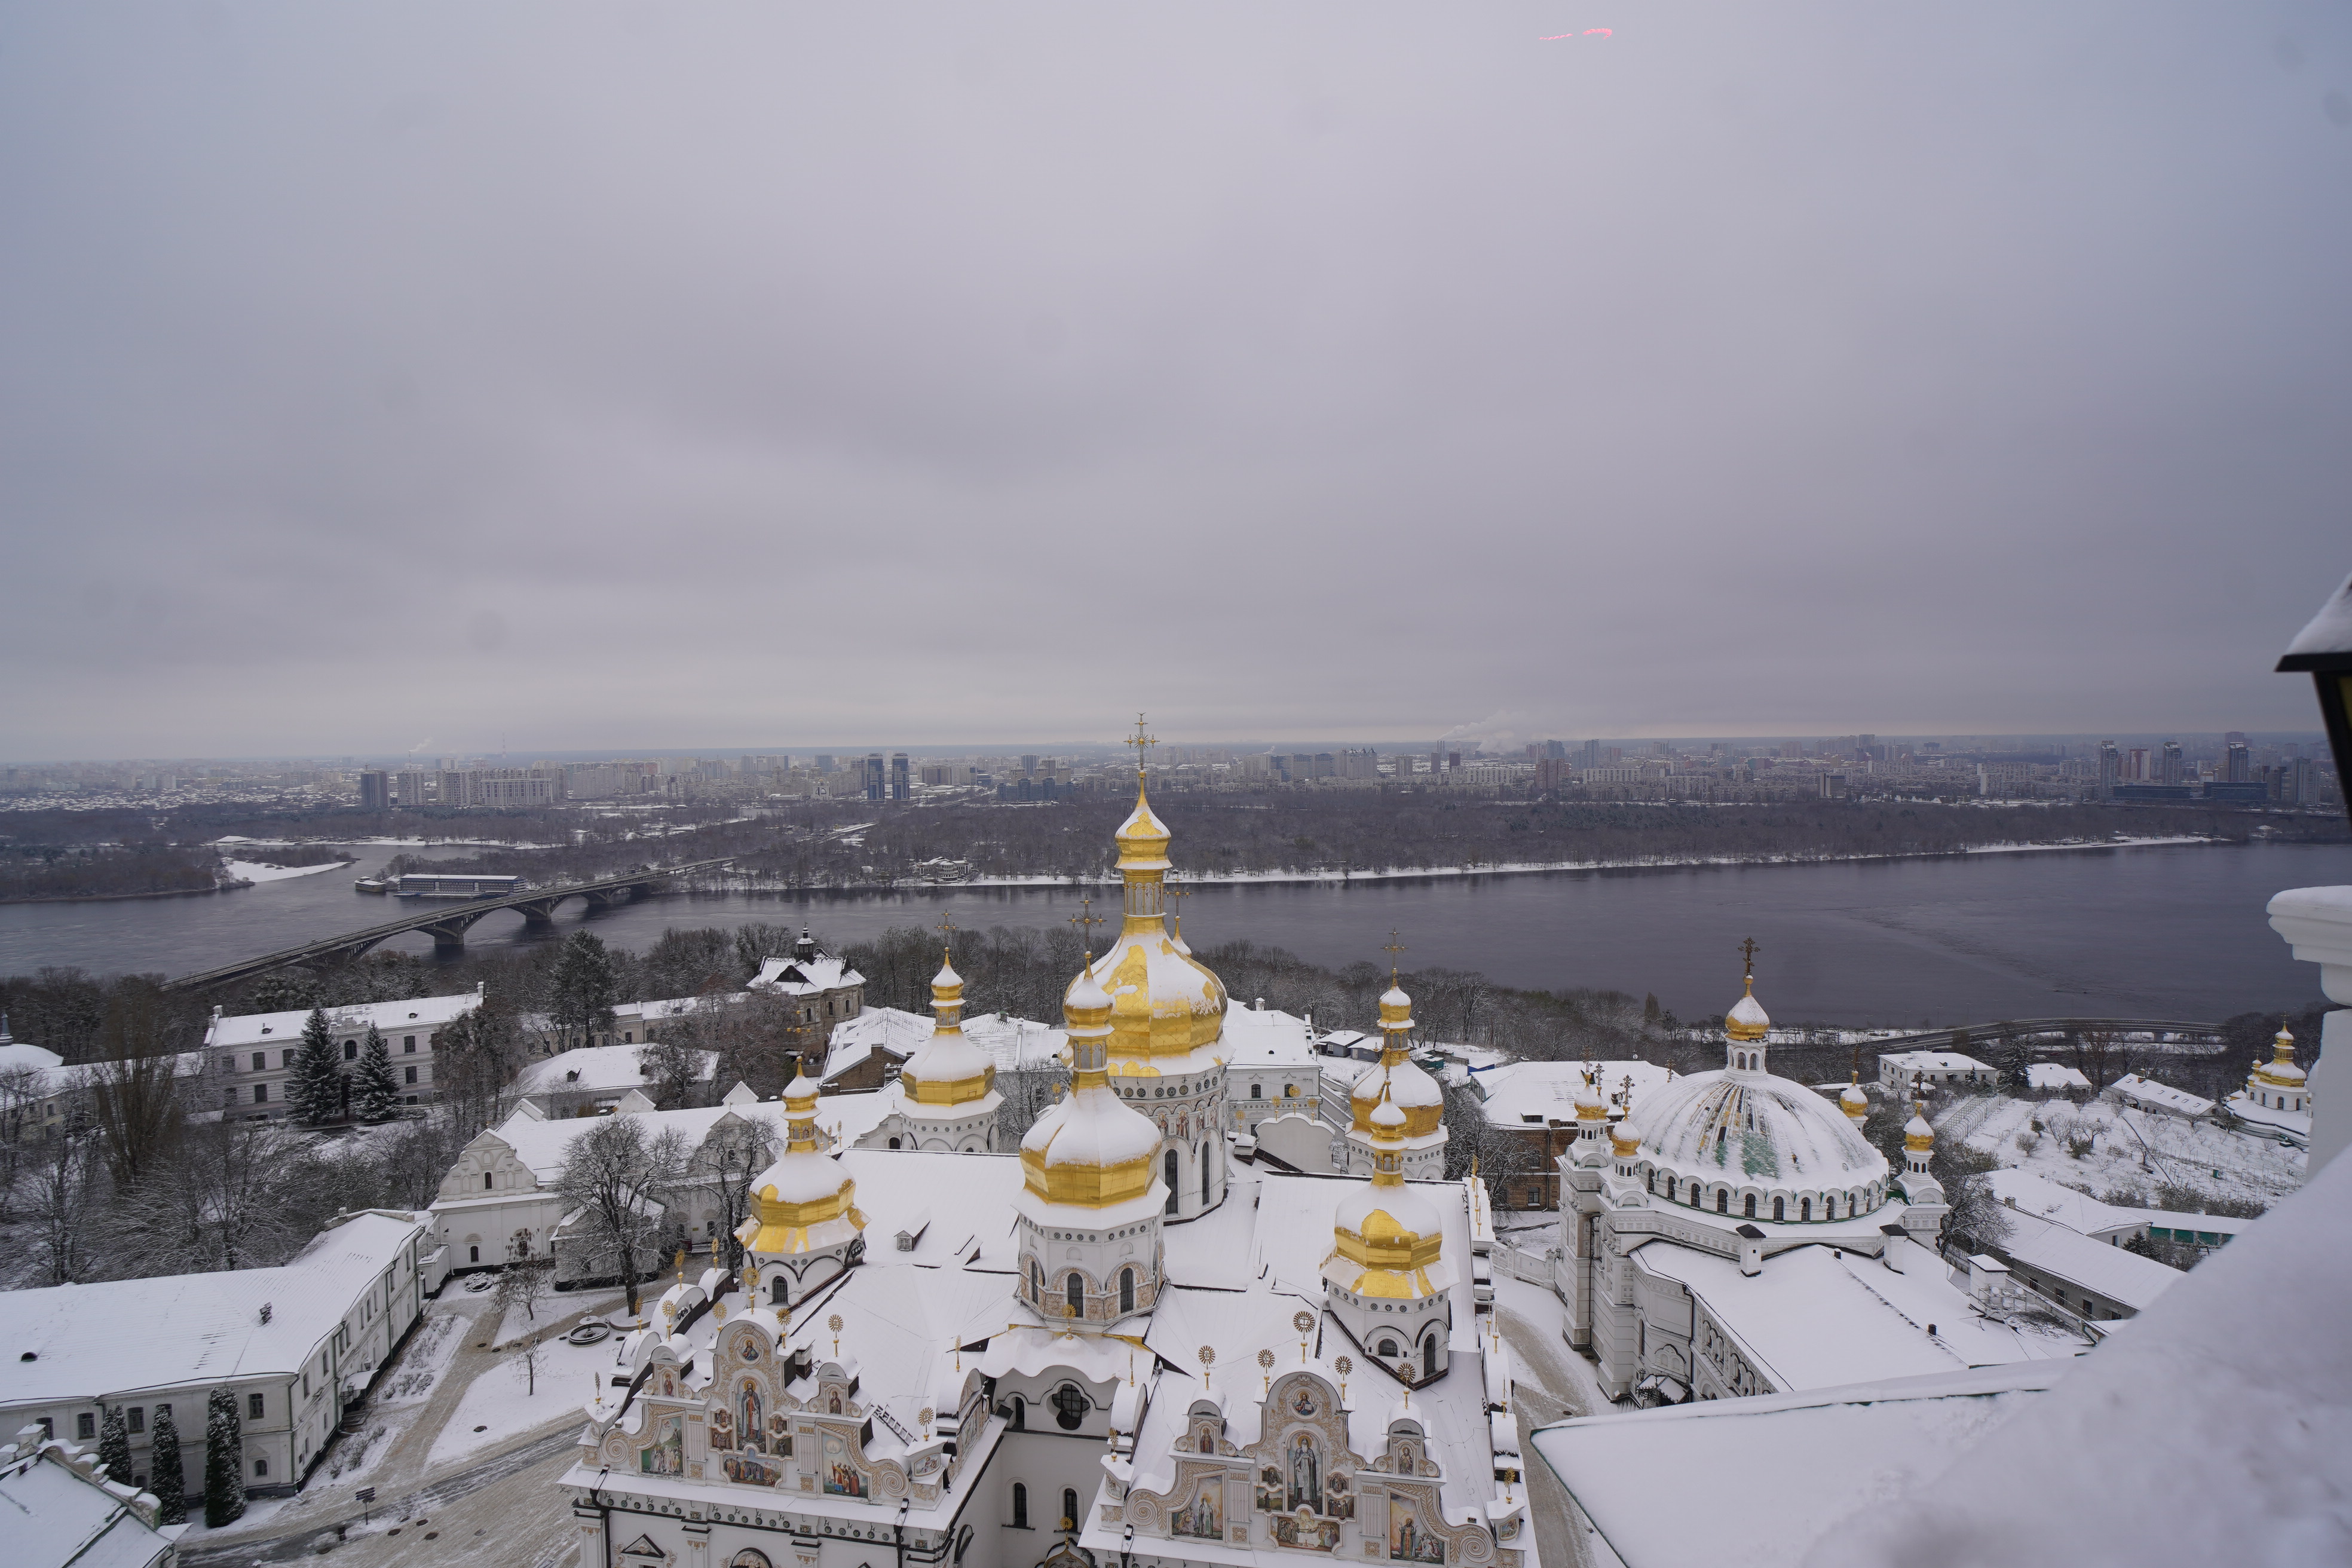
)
(124, 898)
(753, 884)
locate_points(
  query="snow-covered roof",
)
(1818, 1317)
(890, 1029)
(595, 1069)
(416, 1013)
(2068, 1255)
(21, 1054)
(544, 1146)
(59, 1512)
(1757, 1127)
(1527, 1094)
(1015, 1045)
(806, 976)
(2149, 1092)
(2043, 1199)
(119, 1336)
(1259, 1038)
(2233, 1389)
(2054, 1075)
(671, 1007)
(1781, 1471)
(1931, 1062)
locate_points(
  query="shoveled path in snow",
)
(1554, 1383)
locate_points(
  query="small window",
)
(408, 1045)
(138, 1418)
(260, 1094)
(1069, 1407)
(1019, 1504)
(351, 1050)
(260, 1061)
(408, 1075)
(1387, 1348)
(286, 1058)
(260, 1467)
(1258, 1091)
(1749, 1204)
(1779, 1205)
(253, 1406)
(1723, 1203)
(473, 1255)
(1074, 1291)
(486, 1181)
(1069, 1507)
(85, 1425)
(1804, 1208)
(1020, 1414)
(1127, 1290)
(894, 1142)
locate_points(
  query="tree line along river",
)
(2165, 931)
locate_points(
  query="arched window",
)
(1127, 1290)
(1722, 1202)
(1074, 1289)
(1804, 1208)
(780, 1291)
(1387, 1348)
(894, 1142)
(1069, 1407)
(1205, 1176)
(1750, 1206)
(1429, 1355)
(1777, 1210)
(1069, 1507)
(1167, 1165)
(1020, 1500)
(1670, 1189)
(1036, 1283)
(473, 1255)
(486, 1181)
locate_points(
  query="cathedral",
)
(947, 1352)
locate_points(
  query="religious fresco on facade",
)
(665, 1455)
(1269, 1490)
(1204, 1515)
(1305, 1531)
(752, 1470)
(1304, 1481)
(841, 1476)
(1339, 1498)
(722, 1428)
(1409, 1538)
(752, 1436)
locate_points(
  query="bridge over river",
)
(448, 922)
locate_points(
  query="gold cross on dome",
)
(1085, 919)
(1140, 740)
(946, 929)
(1748, 950)
(1392, 947)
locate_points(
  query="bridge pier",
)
(538, 915)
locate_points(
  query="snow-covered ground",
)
(254, 871)
(499, 1405)
(424, 1358)
(2128, 1152)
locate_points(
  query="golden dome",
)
(1625, 1138)
(1091, 1148)
(2280, 1071)
(805, 1200)
(1590, 1106)
(1165, 1003)
(1917, 1136)
(948, 1069)
(1396, 1077)
(1386, 1237)
(1747, 1022)
(1855, 1102)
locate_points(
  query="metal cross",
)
(1084, 920)
(1392, 947)
(1748, 950)
(946, 929)
(1140, 741)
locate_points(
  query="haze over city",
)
(625, 378)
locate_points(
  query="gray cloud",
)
(625, 375)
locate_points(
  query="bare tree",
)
(738, 1149)
(22, 1091)
(62, 1194)
(239, 1195)
(475, 1060)
(613, 1177)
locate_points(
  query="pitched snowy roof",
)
(599, 1068)
(544, 1146)
(2154, 1093)
(1254, 1038)
(413, 1014)
(1931, 1062)
(1546, 1090)
(2234, 1389)
(890, 1029)
(2041, 1198)
(806, 976)
(23, 1054)
(1782, 1470)
(2054, 1075)
(124, 1335)
(1015, 1044)
(59, 1514)
(2069, 1254)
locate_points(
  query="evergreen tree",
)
(165, 1479)
(316, 1088)
(584, 989)
(114, 1444)
(377, 1091)
(223, 1461)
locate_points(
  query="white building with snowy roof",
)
(592, 1078)
(294, 1344)
(1111, 1345)
(253, 1052)
(1898, 1070)
(63, 1509)
(2141, 1093)
(822, 989)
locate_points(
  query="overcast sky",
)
(669, 375)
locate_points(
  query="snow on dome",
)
(1086, 991)
(802, 1177)
(1091, 1126)
(1388, 1213)
(1746, 1020)
(1917, 1134)
(945, 977)
(1395, 996)
(2281, 1073)
(1386, 1114)
(1759, 1126)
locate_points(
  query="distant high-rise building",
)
(2111, 769)
(2238, 762)
(2173, 773)
(375, 790)
(2135, 765)
(902, 781)
(2234, 738)
(877, 776)
(1028, 762)
(825, 763)
(1591, 753)
(412, 787)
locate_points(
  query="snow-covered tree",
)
(114, 1444)
(613, 1177)
(584, 990)
(377, 1092)
(315, 1089)
(165, 1479)
(223, 1460)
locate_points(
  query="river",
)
(2169, 931)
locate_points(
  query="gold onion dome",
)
(1853, 1102)
(1387, 1240)
(1625, 1138)
(1091, 1148)
(1747, 1022)
(1165, 1001)
(1396, 1077)
(947, 1068)
(2280, 1071)
(1918, 1137)
(1590, 1106)
(805, 1200)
